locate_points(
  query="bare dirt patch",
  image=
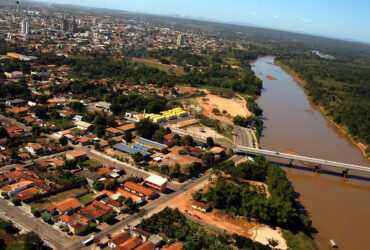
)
(174, 157)
(271, 78)
(228, 107)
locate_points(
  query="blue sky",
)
(346, 19)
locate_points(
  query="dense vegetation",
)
(238, 197)
(174, 226)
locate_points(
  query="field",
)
(227, 107)
(174, 157)
(86, 198)
(91, 164)
(43, 203)
(156, 64)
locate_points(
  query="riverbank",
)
(322, 110)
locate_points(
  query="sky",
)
(344, 19)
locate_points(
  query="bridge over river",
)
(345, 167)
(317, 162)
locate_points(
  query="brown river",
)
(339, 208)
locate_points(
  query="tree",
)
(63, 141)
(33, 241)
(210, 142)
(127, 136)
(36, 130)
(137, 158)
(116, 108)
(77, 106)
(98, 185)
(272, 242)
(112, 185)
(3, 133)
(175, 171)
(187, 140)
(7, 226)
(208, 159)
(158, 135)
(197, 196)
(146, 128)
(15, 201)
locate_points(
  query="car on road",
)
(88, 240)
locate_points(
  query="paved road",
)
(53, 237)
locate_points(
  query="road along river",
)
(339, 208)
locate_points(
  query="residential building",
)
(64, 206)
(141, 190)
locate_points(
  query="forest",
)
(279, 209)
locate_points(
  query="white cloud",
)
(305, 20)
(254, 13)
(276, 16)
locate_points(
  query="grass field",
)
(91, 164)
(86, 198)
(43, 203)
(165, 68)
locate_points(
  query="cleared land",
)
(228, 107)
(174, 157)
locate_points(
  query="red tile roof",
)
(120, 238)
(146, 246)
(76, 154)
(27, 193)
(139, 188)
(65, 205)
(96, 209)
(130, 244)
(113, 130)
(127, 127)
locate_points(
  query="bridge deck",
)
(302, 158)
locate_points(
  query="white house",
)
(83, 125)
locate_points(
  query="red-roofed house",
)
(127, 127)
(64, 206)
(76, 155)
(16, 187)
(34, 148)
(27, 194)
(119, 239)
(96, 210)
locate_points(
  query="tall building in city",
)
(73, 26)
(180, 40)
(65, 24)
(25, 27)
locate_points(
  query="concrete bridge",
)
(317, 162)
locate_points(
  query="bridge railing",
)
(303, 158)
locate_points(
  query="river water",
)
(339, 208)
